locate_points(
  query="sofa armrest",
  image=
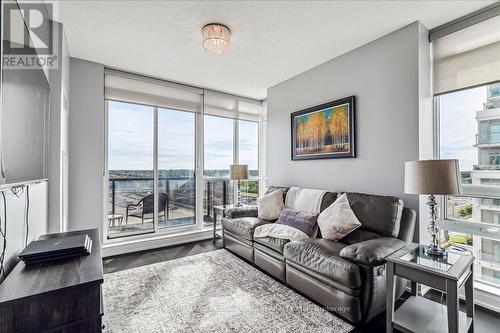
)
(372, 252)
(243, 211)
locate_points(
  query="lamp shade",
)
(238, 171)
(432, 177)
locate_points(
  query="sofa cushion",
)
(377, 213)
(269, 206)
(338, 220)
(283, 189)
(244, 226)
(277, 244)
(322, 256)
(242, 211)
(304, 221)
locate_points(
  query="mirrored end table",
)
(446, 274)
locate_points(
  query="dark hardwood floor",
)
(485, 320)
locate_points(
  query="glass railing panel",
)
(216, 192)
(130, 205)
(176, 195)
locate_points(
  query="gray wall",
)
(384, 77)
(86, 145)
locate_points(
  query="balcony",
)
(487, 140)
(130, 202)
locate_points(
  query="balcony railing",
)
(482, 139)
(130, 201)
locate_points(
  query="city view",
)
(470, 132)
(130, 191)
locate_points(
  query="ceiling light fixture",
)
(216, 37)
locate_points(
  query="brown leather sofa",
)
(346, 276)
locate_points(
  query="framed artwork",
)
(324, 131)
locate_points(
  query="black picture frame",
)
(333, 149)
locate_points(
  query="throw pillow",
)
(303, 221)
(338, 220)
(269, 206)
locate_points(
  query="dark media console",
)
(63, 296)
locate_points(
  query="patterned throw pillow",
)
(269, 206)
(303, 221)
(338, 220)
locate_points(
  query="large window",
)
(163, 174)
(229, 141)
(176, 167)
(131, 168)
(470, 131)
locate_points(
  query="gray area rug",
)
(208, 292)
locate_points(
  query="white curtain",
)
(125, 87)
(468, 57)
(229, 106)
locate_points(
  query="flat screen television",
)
(24, 123)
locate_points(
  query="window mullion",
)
(155, 169)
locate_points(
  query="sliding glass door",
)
(130, 168)
(176, 168)
(138, 163)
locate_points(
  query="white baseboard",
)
(153, 242)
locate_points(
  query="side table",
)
(219, 211)
(446, 274)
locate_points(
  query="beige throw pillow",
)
(338, 219)
(269, 206)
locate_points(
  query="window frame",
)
(477, 229)
(236, 152)
(198, 172)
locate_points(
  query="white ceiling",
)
(271, 40)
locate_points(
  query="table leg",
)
(390, 294)
(452, 305)
(469, 298)
(414, 288)
(215, 224)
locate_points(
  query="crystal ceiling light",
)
(216, 37)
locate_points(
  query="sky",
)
(459, 126)
(130, 139)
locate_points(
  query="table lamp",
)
(238, 172)
(433, 177)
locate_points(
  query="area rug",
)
(208, 292)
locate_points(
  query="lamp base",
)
(435, 251)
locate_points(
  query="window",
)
(176, 168)
(248, 144)
(155, 152)
(229, 141)
(473, 219)
(130, 168)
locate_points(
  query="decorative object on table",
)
(324, 131)
(338, 219)
(433, 177)
(56, 249)
(269, 206)
(238, 172)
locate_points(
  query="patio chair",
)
(147, 204)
